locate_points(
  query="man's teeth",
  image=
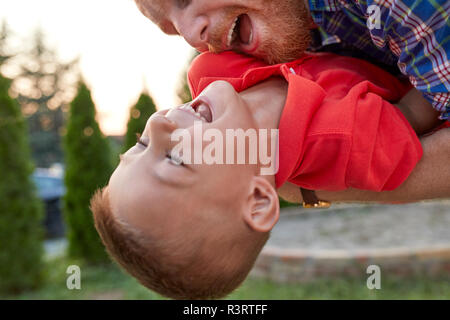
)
(231, 31)
(188, 108)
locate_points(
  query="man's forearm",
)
(430, 179)
(419, 112)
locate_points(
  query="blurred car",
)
(51, 190)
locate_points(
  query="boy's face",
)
(147, 181)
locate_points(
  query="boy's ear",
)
(263, 208)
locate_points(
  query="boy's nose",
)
(160, 130)
(195, 30)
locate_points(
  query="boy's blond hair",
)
(174, 268)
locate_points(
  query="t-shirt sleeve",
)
(361, 141)
(385, 149)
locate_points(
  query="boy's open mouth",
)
(199, 109)
(241, 34)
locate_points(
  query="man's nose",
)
(195, 30)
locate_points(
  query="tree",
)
(88, 167)
(139, 115)
(4, 36)
(183, 92)
(21, 212)
(44, 87)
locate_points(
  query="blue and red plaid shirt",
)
(414, 34)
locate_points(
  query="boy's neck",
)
(266, 102)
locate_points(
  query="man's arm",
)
(429, 180)
(419, 112)
(417, 33)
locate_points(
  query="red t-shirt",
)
(338, 128)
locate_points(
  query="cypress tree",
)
(88, 167)
(183, 92)
(44, 100)
(21, 211)
(139, 115)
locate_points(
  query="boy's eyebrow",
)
(124, 159)
(169, 182)
(161, 179)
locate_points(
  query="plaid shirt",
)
(414, 34)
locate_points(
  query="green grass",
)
(108, 282)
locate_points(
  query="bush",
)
(139, 115)
(88, 167)
(21, 212)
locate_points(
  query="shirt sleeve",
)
(360, 141)
(385, 148)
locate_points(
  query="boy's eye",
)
(174, 159)
(140, 141)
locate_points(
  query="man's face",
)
(274, 30)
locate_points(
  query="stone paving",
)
(364, 227)
(346, 239)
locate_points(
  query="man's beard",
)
(288, 37)
(285, 35)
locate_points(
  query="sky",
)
(121, 52)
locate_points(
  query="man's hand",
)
(429, 180)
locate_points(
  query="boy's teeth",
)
(231, 31)
(189, 108)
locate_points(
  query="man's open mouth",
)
(241, 34)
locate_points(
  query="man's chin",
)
(276, 56)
